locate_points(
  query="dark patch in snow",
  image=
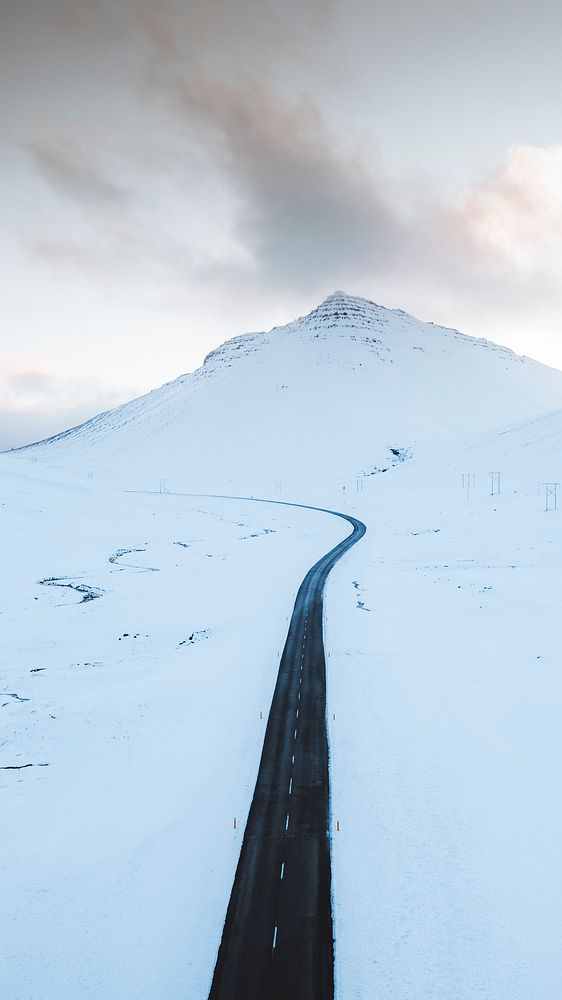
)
(19, 767)
(125, 552)
(89, 593)
(400, 454)
(195, 637)
(360, 605)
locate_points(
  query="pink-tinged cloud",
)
(515, 215)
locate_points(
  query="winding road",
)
(277, 942)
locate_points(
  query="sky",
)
(176, 173)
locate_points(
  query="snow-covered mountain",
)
(141, 637)
(320, 400)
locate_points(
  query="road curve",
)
(277, 942)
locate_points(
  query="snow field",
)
(118, 858)
(446, 746)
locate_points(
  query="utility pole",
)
(551, 496)
(468, 480)
(496, 483)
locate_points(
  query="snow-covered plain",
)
(144, 704)
(444, 678)
(444, 691)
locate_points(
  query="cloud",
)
(228, 36)
(314, 213)
(74, 173)
(310, 211)
(515, 216)
(306, 211)
(241, 185)
(35, 403)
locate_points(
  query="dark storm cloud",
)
(74, 173)
(311, 210)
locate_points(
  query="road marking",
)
(291, 787)
(287, 823)
(293, 759)
(282, 869)
(299, 694)
(297, 713)
(274, 937)
(295, 735)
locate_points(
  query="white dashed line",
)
(274, 937)
(293, 759)
(287, 823)
(282, 869)
(297, 713)
(299, 695)
(291, 787)
(295, 734)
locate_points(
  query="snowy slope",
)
(443, 640)
(314, 402)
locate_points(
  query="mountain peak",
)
(320, 398)
(343, 310)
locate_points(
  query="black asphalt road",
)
(277, 942)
